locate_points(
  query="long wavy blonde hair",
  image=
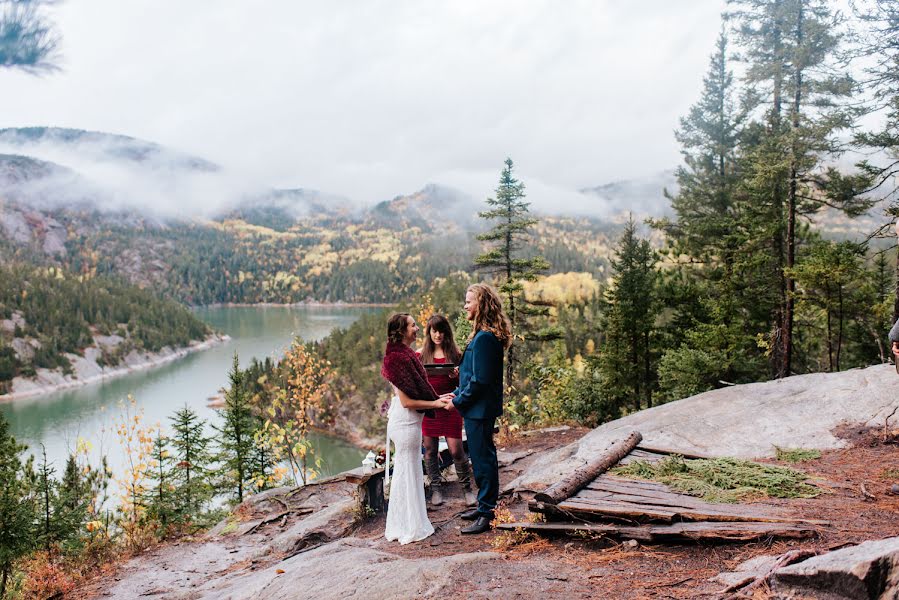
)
(489, 315)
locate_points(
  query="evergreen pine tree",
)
(192, 459)
(708, 179)
(18, 509)
(237, 433)
(29, 40)
(47, 498)
(880, 42)
(626, 362)
(73, 499)
(161, 504)
(829, 277)
(505, 259)
(790, 47)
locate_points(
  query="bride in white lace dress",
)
(407, 515)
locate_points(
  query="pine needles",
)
(722, 479)
(795, 455)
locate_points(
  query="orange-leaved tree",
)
(293, 408)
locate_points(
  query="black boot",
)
(481, 524)
(470, 515)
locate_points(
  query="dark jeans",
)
(483, 460)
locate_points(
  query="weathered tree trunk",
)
(840, 327)
(791, 207)
(829, 343)
(647, 371)
(896, 291)
(570, 485)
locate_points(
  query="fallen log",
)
(571, 484)
(668, 452)
(706, 531)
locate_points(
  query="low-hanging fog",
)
(370, 100)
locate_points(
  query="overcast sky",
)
(371, 99)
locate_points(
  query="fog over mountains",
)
(46, 166)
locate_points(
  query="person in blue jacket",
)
(479, 397)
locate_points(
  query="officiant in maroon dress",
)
(440, 348)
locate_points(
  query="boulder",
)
(869, 570)
(24, 350)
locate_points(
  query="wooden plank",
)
(612, 509)
(570, 485)
(358, 476)
(648, 511)
(718, 531)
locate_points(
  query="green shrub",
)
(686, 371)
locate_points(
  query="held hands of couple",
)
(445, 401)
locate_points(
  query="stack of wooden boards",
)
(592, 501)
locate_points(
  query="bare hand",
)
(896, 349)
(455, 374)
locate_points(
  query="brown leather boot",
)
(463, 472)
(432, 464)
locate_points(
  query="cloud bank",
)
(371, 99)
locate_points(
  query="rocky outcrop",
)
(349, 568)
(869, 570)
(745, 421)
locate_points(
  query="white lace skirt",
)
(407, 514)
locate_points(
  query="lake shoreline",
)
(139, 362)
(315, 304)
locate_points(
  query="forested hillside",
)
(46, 313)
(281, 255)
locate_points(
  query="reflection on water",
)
(57, 420)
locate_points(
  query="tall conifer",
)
(790, 47)
(192, 459)
(17, 504)
(236, 434)
(505, 258)
(626, 359)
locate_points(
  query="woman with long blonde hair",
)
(479, 397)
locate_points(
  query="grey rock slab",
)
(348, 568)
(869, 570)
(330, 523)
(24, 351)
(747, 571)
(15, 227)
(745, 421)
(175, 569)
(54, 238)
